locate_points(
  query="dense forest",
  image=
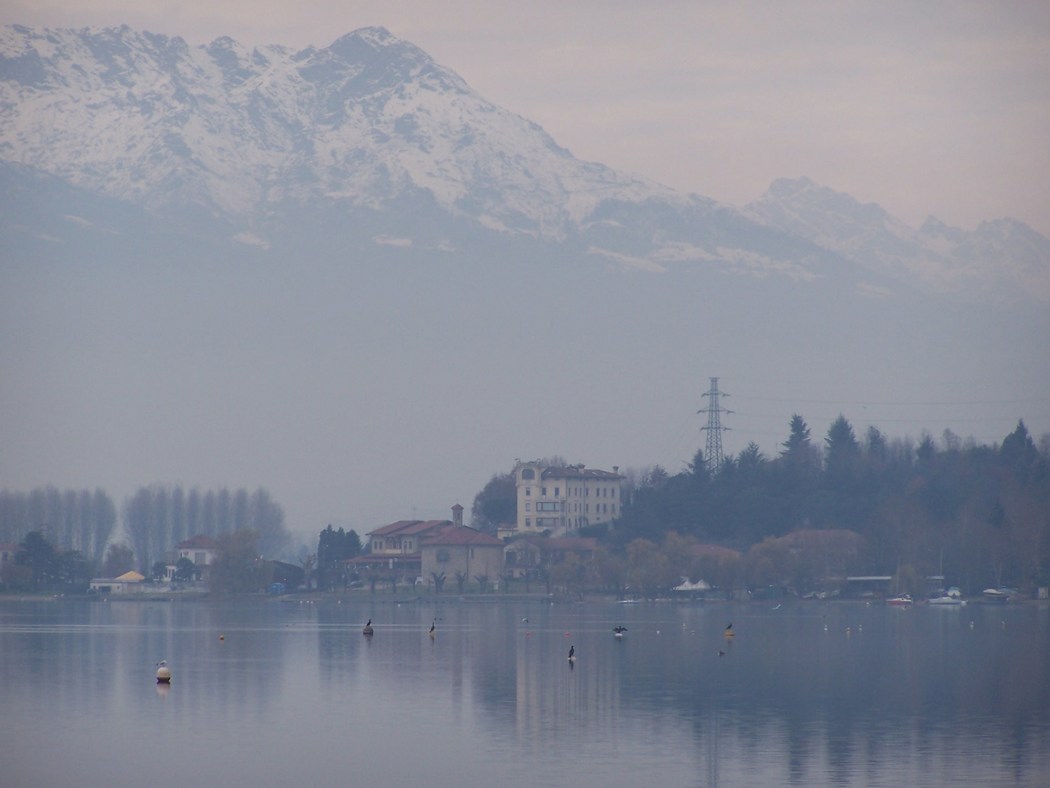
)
(980, 515)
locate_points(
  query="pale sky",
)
(936, 108)
(926, 108)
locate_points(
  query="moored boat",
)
(950, 597)
(901, 600)
(996, 594)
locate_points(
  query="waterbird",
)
(368, 628)
(729, 630)
(572, 653)
(433, 628)
(618, 630)
(721, 653)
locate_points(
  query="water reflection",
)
(264, 691)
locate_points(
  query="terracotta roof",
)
(198, 542)
(408, 527)
(462, 535)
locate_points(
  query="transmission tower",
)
(713, 451)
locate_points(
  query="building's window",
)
(528, 507)
(528, 491)
(442, 556)
(557, 491)
(614, 508)
(528, 522)
(547, 506)
(528, 473)
(614, 492)
(543, 491)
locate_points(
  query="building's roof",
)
(409, 527)
(461, 535)
(578, 472)
(131, 577)
(198, 542)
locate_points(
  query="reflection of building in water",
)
(551, 694)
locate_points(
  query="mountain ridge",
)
(371, 123)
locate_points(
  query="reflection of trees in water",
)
(905, 682)
(897, 689)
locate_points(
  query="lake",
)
(278, 692)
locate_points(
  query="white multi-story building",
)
(560, 500)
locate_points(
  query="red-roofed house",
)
(396, 549)
(464, 550)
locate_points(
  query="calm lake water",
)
(268, 692)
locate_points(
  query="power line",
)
(898, 403)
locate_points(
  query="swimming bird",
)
(572, 653)
(525, 620)
(433, 629)
(619, 630)
(367, 631)
(721, 653)
(729, 631)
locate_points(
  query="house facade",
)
(532, 554)
(560, 500)
(463, 551)
(396, 549)
(201, 549)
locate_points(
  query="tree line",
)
(979, 514)
(154, 519)
(158, 517)
(79, 520)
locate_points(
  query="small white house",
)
(127, 583)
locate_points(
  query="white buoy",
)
(163, 673)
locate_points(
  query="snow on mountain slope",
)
(1004, 258)
(371, 124)
(147, 117)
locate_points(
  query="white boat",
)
(996, 594)
(901, 600)
(950, 597)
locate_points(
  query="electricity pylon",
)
(713, 458)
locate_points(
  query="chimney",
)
(457, 515)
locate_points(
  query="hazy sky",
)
(926, 108)
(932, 107)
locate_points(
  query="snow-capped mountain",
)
(372, 126)
(1002, 258)
(365, 120)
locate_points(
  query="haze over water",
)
(268, 692)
